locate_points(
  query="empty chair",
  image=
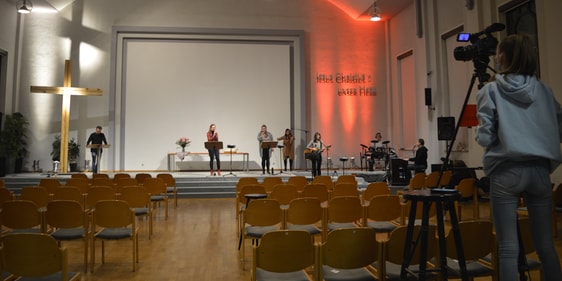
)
(171, 187)
(113, 220)
(316, 190)
(70, 193)
(260, 217)
(283, 255)
(80, 183)
(100, 176)
(38, 195)
(79, 176)
(382, 213)
(102, 181)
(21, 216)
(50, 184)
(157, 189)
(298, 181)
(68, 222)
(374, 189)
(119, 184)
(344, 189)
(138, 199)
(5, 195)
(346, 179)
(242, 201)
(431, 180)
(306, 214)
(244, 181)
(326, 180)
(140, 177)
(121, 176)
(344, 212)
(469, 194)
(417, 181)
(98, 193)
(270, 182)
(284, 194)
(348, 254)
(35, 256)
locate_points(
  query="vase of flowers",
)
(183, 142)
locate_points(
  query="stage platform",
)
(199, 184)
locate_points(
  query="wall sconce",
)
(24, 6)
(376, 12)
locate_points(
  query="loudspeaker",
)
(428, 96)
(399, 173)
(445, 128)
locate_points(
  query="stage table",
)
(172, 166)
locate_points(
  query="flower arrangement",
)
(183, 141)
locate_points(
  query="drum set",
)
(379, 153)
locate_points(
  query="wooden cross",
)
(66, 91)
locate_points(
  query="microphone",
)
(492, 28)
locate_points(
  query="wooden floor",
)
(197, 242)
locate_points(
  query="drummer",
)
(376, 150)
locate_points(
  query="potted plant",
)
(13, 139)
(73, 152)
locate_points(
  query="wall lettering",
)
(348, 84)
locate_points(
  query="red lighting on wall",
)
(469, 118)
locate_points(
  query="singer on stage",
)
(265, 153)
(288, 148)
(212, 135)
(317, 147)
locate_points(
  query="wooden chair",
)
(157, 189)
(171, 187)
(21, 216)
(284, 193)
(382, 212)
(68, 222)
(431, 180)
(96, 194)
(36, 194)
(119, 184)
(113, 220)
(141, 177)
(348, 254)
(469, 192)
(50, 184)
(270, 182)
(393, 253)
(305, 213)
(344, 189)
(102, 182)
(344, 212)
(299, 182)
(241, 200)
(5, 195)
(82, 184)
(326, 180)
(283, 255)
(79, 176)
(70, 193)
(417, 182)
(138, 199)
(35, 256)
(261, 216)
(100, 176)
(118, 176)
(316, 190)
(346, 179)
(374, 189)
(245, 181)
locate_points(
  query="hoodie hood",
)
(519, 88)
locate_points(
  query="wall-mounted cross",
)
(66, 91)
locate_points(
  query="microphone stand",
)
(328, 158)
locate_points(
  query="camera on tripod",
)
(480, 48)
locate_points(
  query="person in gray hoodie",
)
(520, 129)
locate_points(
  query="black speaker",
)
(445, 128)
(399, 173)
(428, 96)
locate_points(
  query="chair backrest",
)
(466, 187)
(112, 214)
(394, 247)
(374, 189)
(20, 214)
(326, 180)
(284, 251)
(167, 178)
(69, 193)
(81, 184)
(98, 193)
(304, 210)
(345, 189)
(5, 195)
(250, 189)
(141, 177)
(33, 255)
(284, 193)
(37, 194)
(263, 212)
(346, 179)
(102, 182)
(417, 182)
(446, 178)
(123, 182)
(2, 183)
(135, 196)
(316, 190)
(154, 186)
(431, 179)
(350, 248)
(384, 208)
(118, 176)
(65, 214)
(298, 181)
(270, 182)
(345, 209)
(477, 240)
(79, 176)
(50, 184)
(245, 181)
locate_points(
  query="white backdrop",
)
(177, 88)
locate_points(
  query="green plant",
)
(13, 138)
(73, 149)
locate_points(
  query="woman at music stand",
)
(265, 152)
(288, 148)
(214, 153)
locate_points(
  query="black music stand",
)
(280, 158)
(214, 145)
(98, 147)
(230, 146)
(270, 145)
(343, 160)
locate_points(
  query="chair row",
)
(298, 181)
(355, 254)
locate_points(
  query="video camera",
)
(479, 51)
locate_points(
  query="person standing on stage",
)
(96, 137)
(520, 127)
(420, 159)
(288, 148)
(316, 147)
(265, 153)
(214, 153)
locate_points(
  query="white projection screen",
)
(177, 88)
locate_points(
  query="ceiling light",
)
(376, 13)
(24, 7)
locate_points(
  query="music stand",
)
(280, 158)
(98, 147)
(268, 144)
(230, 146)
(214, 145)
